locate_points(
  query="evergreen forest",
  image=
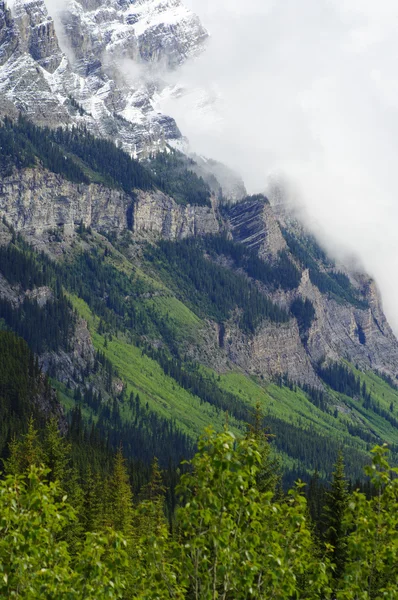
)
(72, 527)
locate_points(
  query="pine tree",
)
(333, 513)
(154, 488)
(25, 453)
(316, 499)
(57, 453)
(150, 516)
(268, 476)
(75, 495)
(93, 501)
(120, 512)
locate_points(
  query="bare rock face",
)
(253, 223)
(158, 215)
(341, 330)
(65, 365)
(37, 34)
(149, 30)
(275, 349)
(106, 87)
(35, 200)
(29, 54)
(8, 34)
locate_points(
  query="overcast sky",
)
(309, 90)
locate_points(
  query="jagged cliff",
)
(340, 329)
(94, 85)
(253, 223)
(35, 201)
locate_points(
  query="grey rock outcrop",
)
(145, 31)
(275, 349)
(35, 200)
(341, 330)
(253, 223)
(159, 215)
(37, 34)
(80, 357)
(8, 34)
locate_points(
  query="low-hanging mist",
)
(307, 91)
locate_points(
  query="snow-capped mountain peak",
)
(109, 41)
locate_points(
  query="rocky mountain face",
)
(147, 31)
(339, 329)
(253, 223)
(36, 201)
(105, 82)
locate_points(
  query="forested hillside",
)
(82, 158)
(149, 340)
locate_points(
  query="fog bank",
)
(307, 90)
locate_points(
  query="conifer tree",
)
(25, 453)
(150, 515)
(316, 499)
(93, 501)
(268, 476)
(120, 512)
(57, 457)
(333, 514)
(154, 488)
(57, 453)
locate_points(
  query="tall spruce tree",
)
(25, 452)
(120, 498)
(316, 500)
(268, 476)
(93, 501)
(57, 453)
(333, 512)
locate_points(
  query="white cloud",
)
(308, 89)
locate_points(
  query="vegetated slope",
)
(157, 400)
(24, 391)
(153, 341)
(80, 157)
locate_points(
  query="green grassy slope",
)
(306, 437)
